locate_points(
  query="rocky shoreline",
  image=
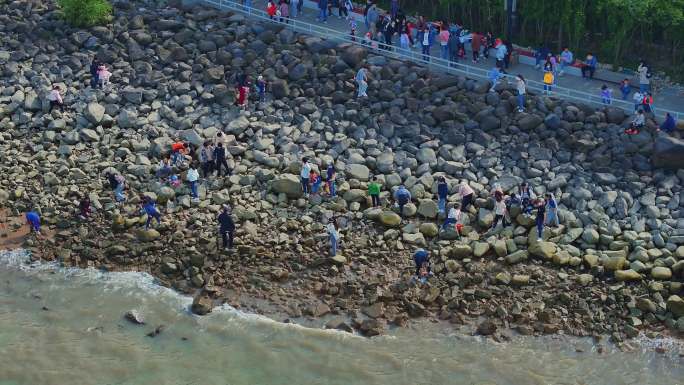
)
(614, 266)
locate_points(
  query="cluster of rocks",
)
(614, 266)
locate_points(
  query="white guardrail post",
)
(433, 61)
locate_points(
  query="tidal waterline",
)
(66, 326)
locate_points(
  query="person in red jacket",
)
(271, 9)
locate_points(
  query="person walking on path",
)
(625, 88)
(402, 196)
(333, 236)
(589, 67)
(521, 87)
(220, 156)
(548, 81)
(567, 59)
(192, 177)
(644, 77)
(501, 53)
(226, 227)
(55, 99)
(33, 220)
(374, 192)
(362, 82)
(150, 208)
(442, 193)
(475, 44)
(540, 55)
(466, 193)
(331, 175)
(552, 210)
(606, 95)
(668, 124)
(323, 11)
(443, 38)
(284, 9)
(540, 218)
(426, 41)
(271, 9)
(296, 8)
(207, 158)
(304, 176)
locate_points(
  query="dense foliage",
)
(619, 31)
(85, 13)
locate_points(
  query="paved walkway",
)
(671, 98)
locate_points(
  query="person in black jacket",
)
(226, 227)
(220, 157)
(94, 65)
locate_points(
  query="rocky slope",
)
(614, 266)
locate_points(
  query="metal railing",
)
(433, 62)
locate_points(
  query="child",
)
(103, 76)
(374, 192)
(638, 98)
(315, 181)
(606, 94)
(174, 181)
(149, 207)
(548, 81)
(625, 89)
(261, 88)
(352, 28)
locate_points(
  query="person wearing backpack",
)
(644, 77)
(403, 196)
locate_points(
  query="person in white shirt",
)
(304, 176)
(55, 99)
(333, 235)
(466, 193)
(453, 218)
(192, 177)
(499, 211)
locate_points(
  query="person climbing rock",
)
(226, 227)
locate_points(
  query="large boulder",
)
(390, 219)
(280, 89)
(354, 55)
(94, 112)
(668, 152)
(357, 171)
(428, 208)
(529, 122)
(542, 249)
(287, 184)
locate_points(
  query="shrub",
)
(85, 13)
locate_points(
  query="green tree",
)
(85, 13)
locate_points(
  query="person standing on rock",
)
(261, 88)
(541, 217)
(362, 82)
(453, 217)
(402, 196)
(192, 177)
(304, 176)
(442, 193)
(374, 192)
(103, 76)
(527, 196)
(500, 211)
(241, 95)
(330, 180)
(466, 192)
(150, 208)
(118, 183)
(207, 158)
(94, 67)
(220, 156)
(333, 235)
(644, 77)
(226, 227)
(55, 99)
(521, 87)
(494, 76)
(552, 210)
(33, 220)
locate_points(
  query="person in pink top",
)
(444, 42)
(103, 76)
(466, 192)
(55, 99)
(284, 11)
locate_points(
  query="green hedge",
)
(85, 13)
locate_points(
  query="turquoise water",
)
(83, 339)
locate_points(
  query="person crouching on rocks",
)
(466, 192)
(315, 181)
(55, 99)
(226, 227)
(421, 258)
(539, 221)
(527, 197)
(84, 207)
(453, 218)
(33, 220)
(150, 208)
(402, 196)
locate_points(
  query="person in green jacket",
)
(374, 192)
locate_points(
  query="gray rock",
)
(668, 152)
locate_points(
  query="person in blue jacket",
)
(403, 196)
(33, 219)
(669, 124)
(421, 258)
(442, 193)
(150, 209)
